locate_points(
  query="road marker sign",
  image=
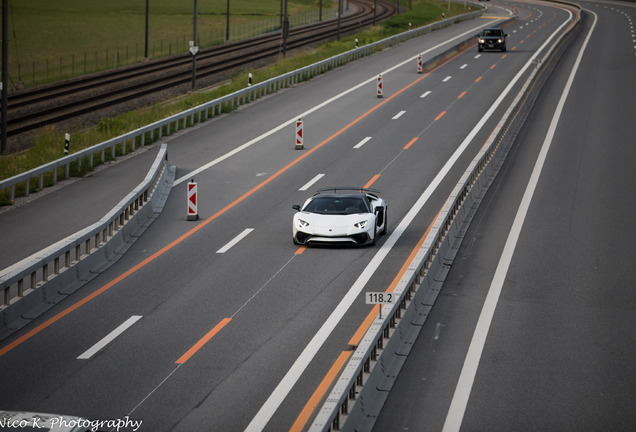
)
(192, 201)
(299, 134)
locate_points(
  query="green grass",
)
(52, 40)
(48, 142)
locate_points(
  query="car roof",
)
(337, 196)
(351, 192)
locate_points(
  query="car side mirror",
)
(296, 207)
(377, 209)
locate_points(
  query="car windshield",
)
(492, 33)
(336, 205)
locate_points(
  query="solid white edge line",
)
(109, 338)
(248, 144)
(459, 402)
(234, 241)
(311, 182)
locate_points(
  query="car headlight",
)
(481, 41)
(499, 41)
(361, 224)
(302, 223)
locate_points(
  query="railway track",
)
(49, 104)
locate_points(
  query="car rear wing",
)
(348, 188)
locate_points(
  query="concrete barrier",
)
(35, 284)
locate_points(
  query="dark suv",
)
(493, 38)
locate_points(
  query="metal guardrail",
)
(359, 394)
(150, 133)
(34, 284)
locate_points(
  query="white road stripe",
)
(236, 239)
(459, 402)
(109, 338)
(464, 66)
(361, 143)
(311, 182)
(446, 79)
(425, 94)
(398, 115)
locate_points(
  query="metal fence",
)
(71, 64)
(34, 284)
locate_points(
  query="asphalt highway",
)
(223, 324)
(534, 327)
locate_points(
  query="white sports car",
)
(340, 215)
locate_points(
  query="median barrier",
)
(358, 395)
(35, 284)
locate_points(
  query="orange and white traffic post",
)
(299, 134)
(380, 87)
(192, 201)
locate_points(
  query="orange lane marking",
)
(300, 250)
(504, 56)
(370, 182)
(478, 79)
(157, 254)
(493, 66)
(359, 334)
(406, 147)
(461, 95)
(440, 115)
(357, 337)
(335, 369)
(197, 346)
(304, 415)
